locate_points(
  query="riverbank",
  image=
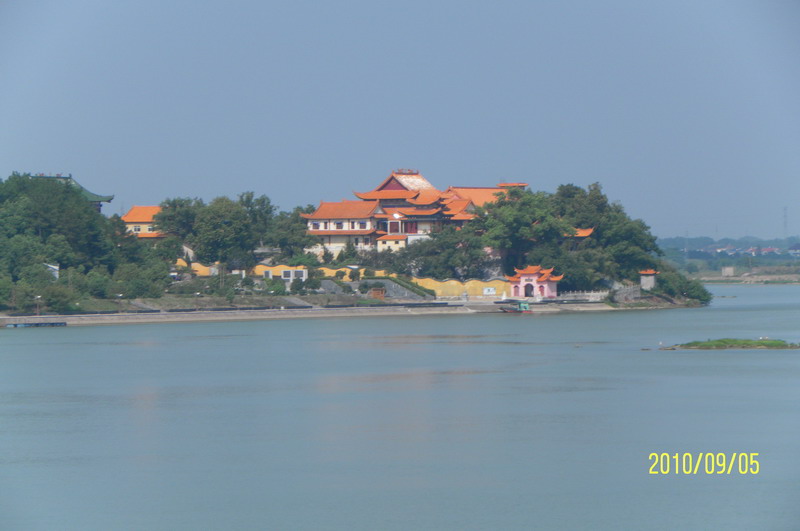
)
(304, 313)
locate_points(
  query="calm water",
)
(444, 423)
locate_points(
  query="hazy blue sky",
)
(688, 113)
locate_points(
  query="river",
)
(438, 422)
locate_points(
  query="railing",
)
(590, 296)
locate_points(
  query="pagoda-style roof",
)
(343, 210)
(545, 275)
(68, 180)
(648, 272)
(400, 184)
(387, 194)
(428, 196)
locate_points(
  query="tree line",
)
(45, 222)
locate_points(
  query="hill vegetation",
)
(44, 222)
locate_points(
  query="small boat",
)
(519, 307)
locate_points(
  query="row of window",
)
(138, 228)
(392, 227)
(338, 225)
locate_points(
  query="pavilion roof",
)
(544, 275)
(68, 180)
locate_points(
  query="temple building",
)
(95, 199)
(535, 282)
(405, 207)
(140, 221)
(647, 279)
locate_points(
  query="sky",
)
(687, 113)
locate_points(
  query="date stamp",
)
(687, 463)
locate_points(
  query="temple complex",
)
(403, 208)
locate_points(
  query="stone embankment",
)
(240, 315)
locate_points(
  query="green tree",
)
(517, 222)
(260, 212)
(178, 216)
(223, 234)
(450, 253)
(289, 232)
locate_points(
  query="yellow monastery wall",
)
(197, 268)
(473, 288)
(277, 270)
(330, 272)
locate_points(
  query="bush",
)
(60, 299)
(298, 287)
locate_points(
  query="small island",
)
(728, 343)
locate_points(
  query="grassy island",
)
(728, 343)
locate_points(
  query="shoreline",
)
(266, 315)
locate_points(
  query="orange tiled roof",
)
(529, 270)
(478, 195)
(408, 179)
(581, 233)
(149, 234)
(343, 210)
(648, 272)
(512, 185)
(141, 214)
(387, 194)
(391, 213)
(427, 196)
(393, 237)
(462, 216)
(454, 206)
(418, 211)
(545, 275)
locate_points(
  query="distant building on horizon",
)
(68, 180)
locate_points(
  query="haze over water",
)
(450, 422)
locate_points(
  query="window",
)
(315, 226)
(362, 224)
(287, 274)
(339, 225)
(150, 228)
(324, 225)
(394, 227)
(356, 241)
(137, 228)
(352, 225)
(366, 241)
